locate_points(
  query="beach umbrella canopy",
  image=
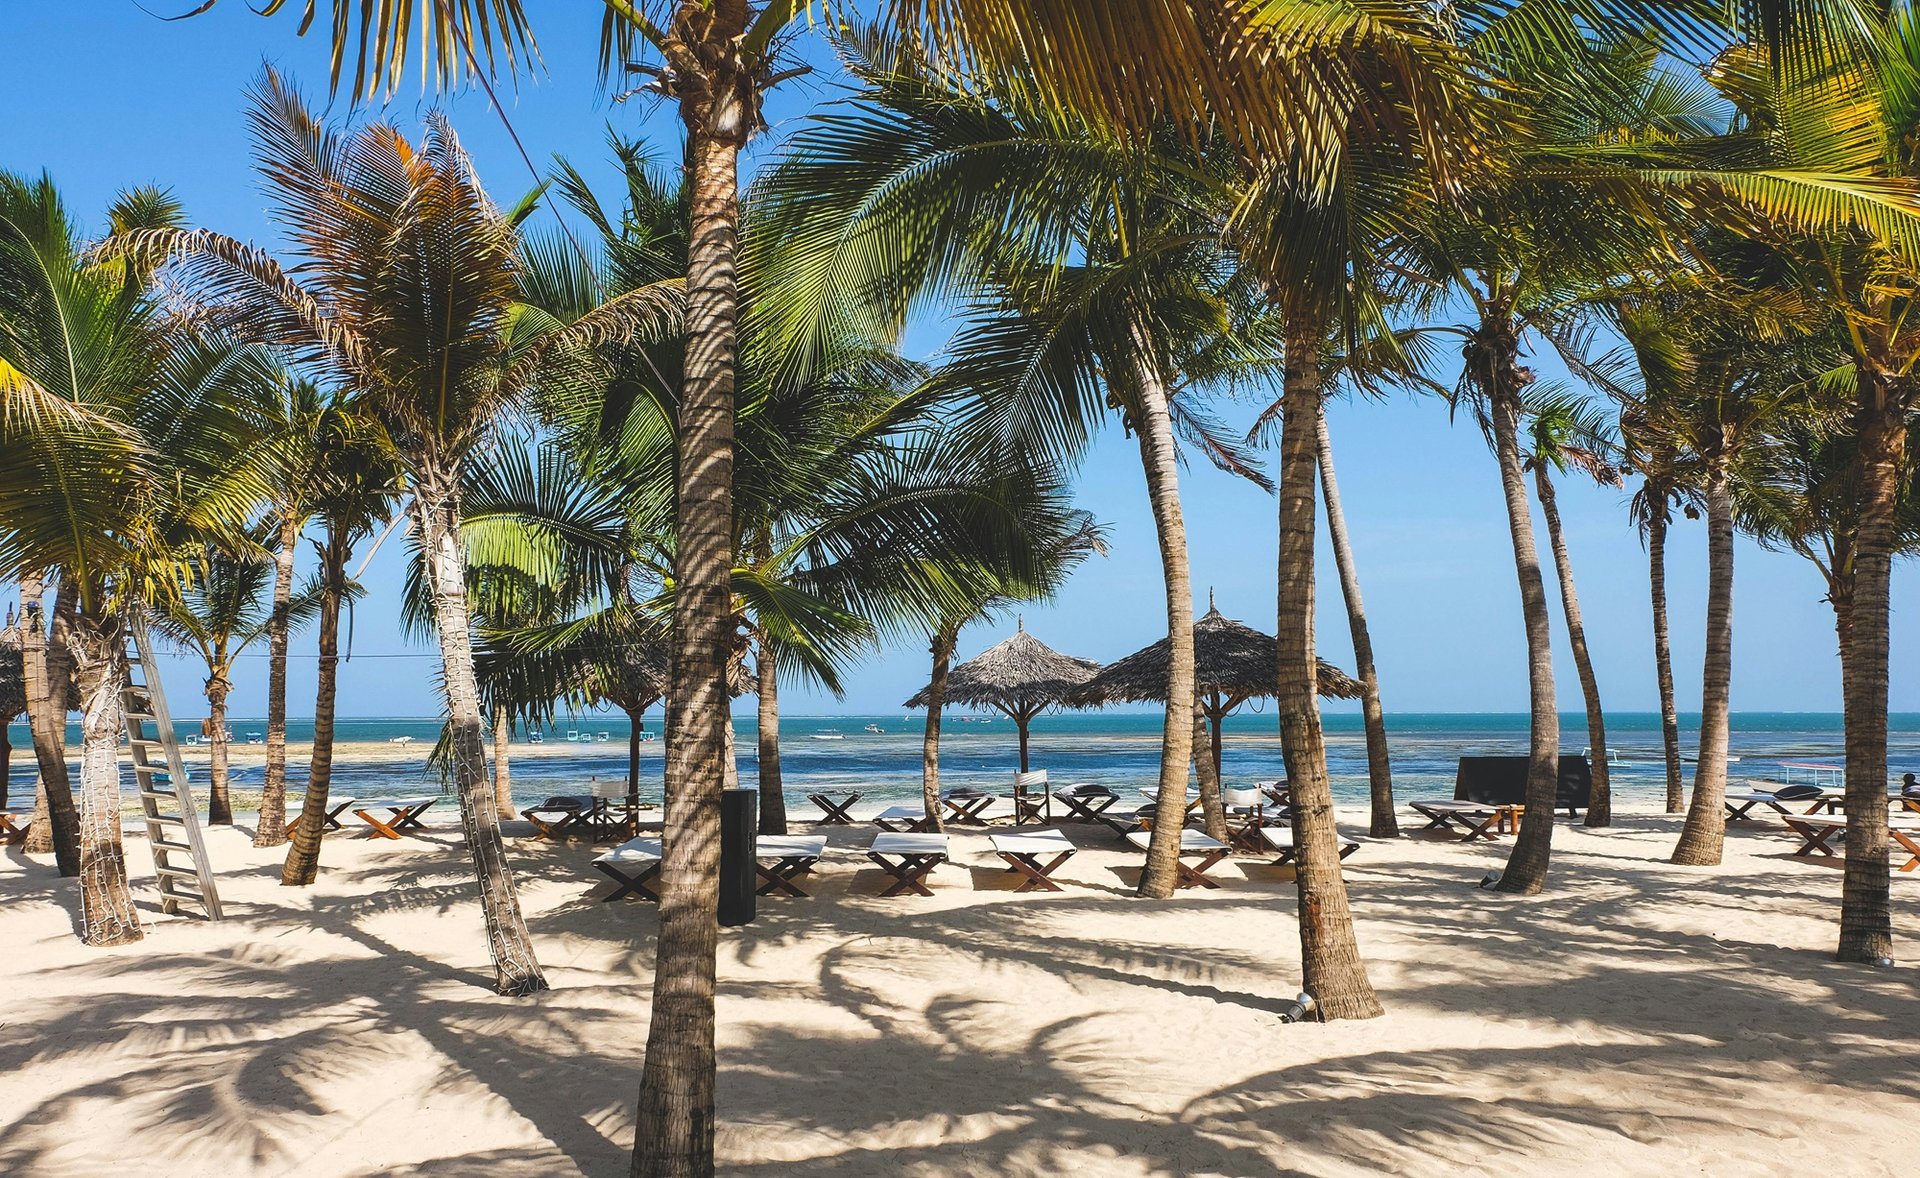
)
(1233, 663)
(1020, 677)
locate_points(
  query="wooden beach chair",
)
(402, 814)
(1024, 849)
(632, 865)
(1194, 844)
(555, 818)
(14, 827)
(1032, 800)
(908, 858)
(1279, 839)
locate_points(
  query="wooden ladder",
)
(173, 827)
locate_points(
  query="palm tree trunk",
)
(1866, 916)
(1161, 463)
(1213, 812)
(303, 856)
(1383, 822)
(1662, 645)
(107, 915)
(219, 772)
(1703, 835)
(437, 516)
(943, 644)
(6, 762)
(48, 666)
(1526, 871)
(634, 728)
(1332, 969)
(271, 830)
(1600, 806)
(1020, 722)
(676, 1112)
(773, 800)
(502, 763)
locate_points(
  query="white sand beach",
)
(1639, 1019)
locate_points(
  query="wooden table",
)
(908, 858)
(1476, 820)
(14, 828)
(791, 856)
(402, 814)
(835, 808)
(1194, 844)
(633, 865)
(1023, 851)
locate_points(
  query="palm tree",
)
(119, 435)
(13, 700)
(1567, 432)
(405, 295)
(221, 614)
(49, 689)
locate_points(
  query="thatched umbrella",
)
(13, 696)
(1021, 677)
(1232, 664)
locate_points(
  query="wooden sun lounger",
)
(904, 820)
(1817, 833)
(402, 814)
(633, 865)
(1023, 850)
(1280, 840)
(835, 808)
(1086, 802)
(908, 858)
(779, 859)
(1476, 820)
(14, 827)
(1152, 794)
(1194, 844)
(967, 805)
(556, 822)
(336, 806)
(1739, 806)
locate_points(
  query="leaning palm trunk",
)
(943, 644)
(1206, 772)
(437, 516)
(1663, 647)
(271, 830)
(48, 666)
(303, 857)
(1526, 871)
(773, 802)
(1331, 968)
(1600, 805)
(1157, 455)
(1866, 916)
(100, 668)
(220, 756)
(676, 1111)
(1702, 838)
(1383, 822)
(502, 764)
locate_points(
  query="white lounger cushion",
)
(901, 814)
(1281, 839)
(633, 853)
(1192, 842)
(890, 843)
(789, 846)
(1451, 806)
(1035, 842)
(395, 803)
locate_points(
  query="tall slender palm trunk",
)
(271, 830)
(675, 1128)
(1331, 967)
(1161, 462)
(635, 726)
(1206, 772)
(502, 760)
(436, 509)
(1382, 821)
(1600, 807)
(47, 664)
(1866, 915)
(943, 645)
(107, 915)
(1662, 644)
(303, 856)
(773, 800)
(1499, 350)
(220, 754)
(1703, 836)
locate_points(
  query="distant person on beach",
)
(1909, 786)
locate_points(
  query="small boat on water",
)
(828, 734)
(536, 737)
(402, 741)
(602, 737)
(645, 737)
(876, 730)
(1614, 756)
(256, 738)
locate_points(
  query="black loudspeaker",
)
(739, 820)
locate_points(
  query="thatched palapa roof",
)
(1021, 676)
(13, 677)
(1232, 663)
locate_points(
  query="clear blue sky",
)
(105, 96)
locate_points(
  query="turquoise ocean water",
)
(1118, 749)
